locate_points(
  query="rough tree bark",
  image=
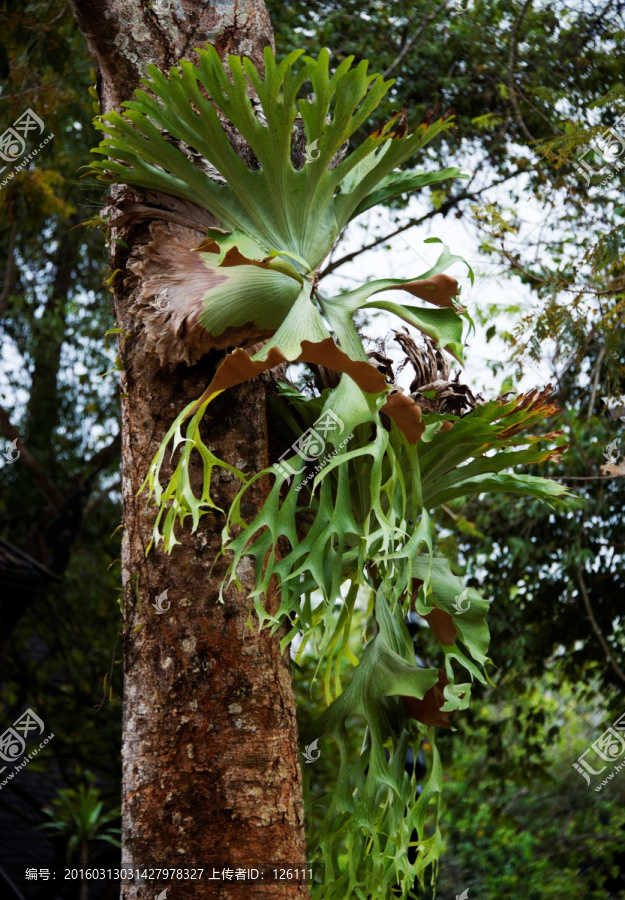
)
(210, 758)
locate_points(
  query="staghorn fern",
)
(364, 521)
(366, 524)
(278, 223)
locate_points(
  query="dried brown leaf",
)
(428, 710)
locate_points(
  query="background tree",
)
(59, 503)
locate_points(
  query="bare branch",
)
(54, 496)
(582, 477)
(104, 457)
(446, 207)
(412, 42)
(116, 486)
(595, 626)
(9, 271)
(38, 87)
(595, 383)
(597, 373)
(511, 67)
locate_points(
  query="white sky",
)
(410, 256)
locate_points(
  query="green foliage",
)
(530, 560)
(79, 814)
(57, 643)
(178, 499)
(372, 810)
(298, 213)
(523, 829)
(54, 311)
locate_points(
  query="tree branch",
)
(595, 383)
(595, 626)
(582, 477)
(597, 373)
(511, 67)
(446, 207)
(116, 486)
(102, 458)
(9, 271)
(54, 496)
(413, 40)
(38, 87)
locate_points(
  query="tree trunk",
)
(211, 771)
(84, 864)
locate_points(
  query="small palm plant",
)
(363, 523)
(79, 815)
